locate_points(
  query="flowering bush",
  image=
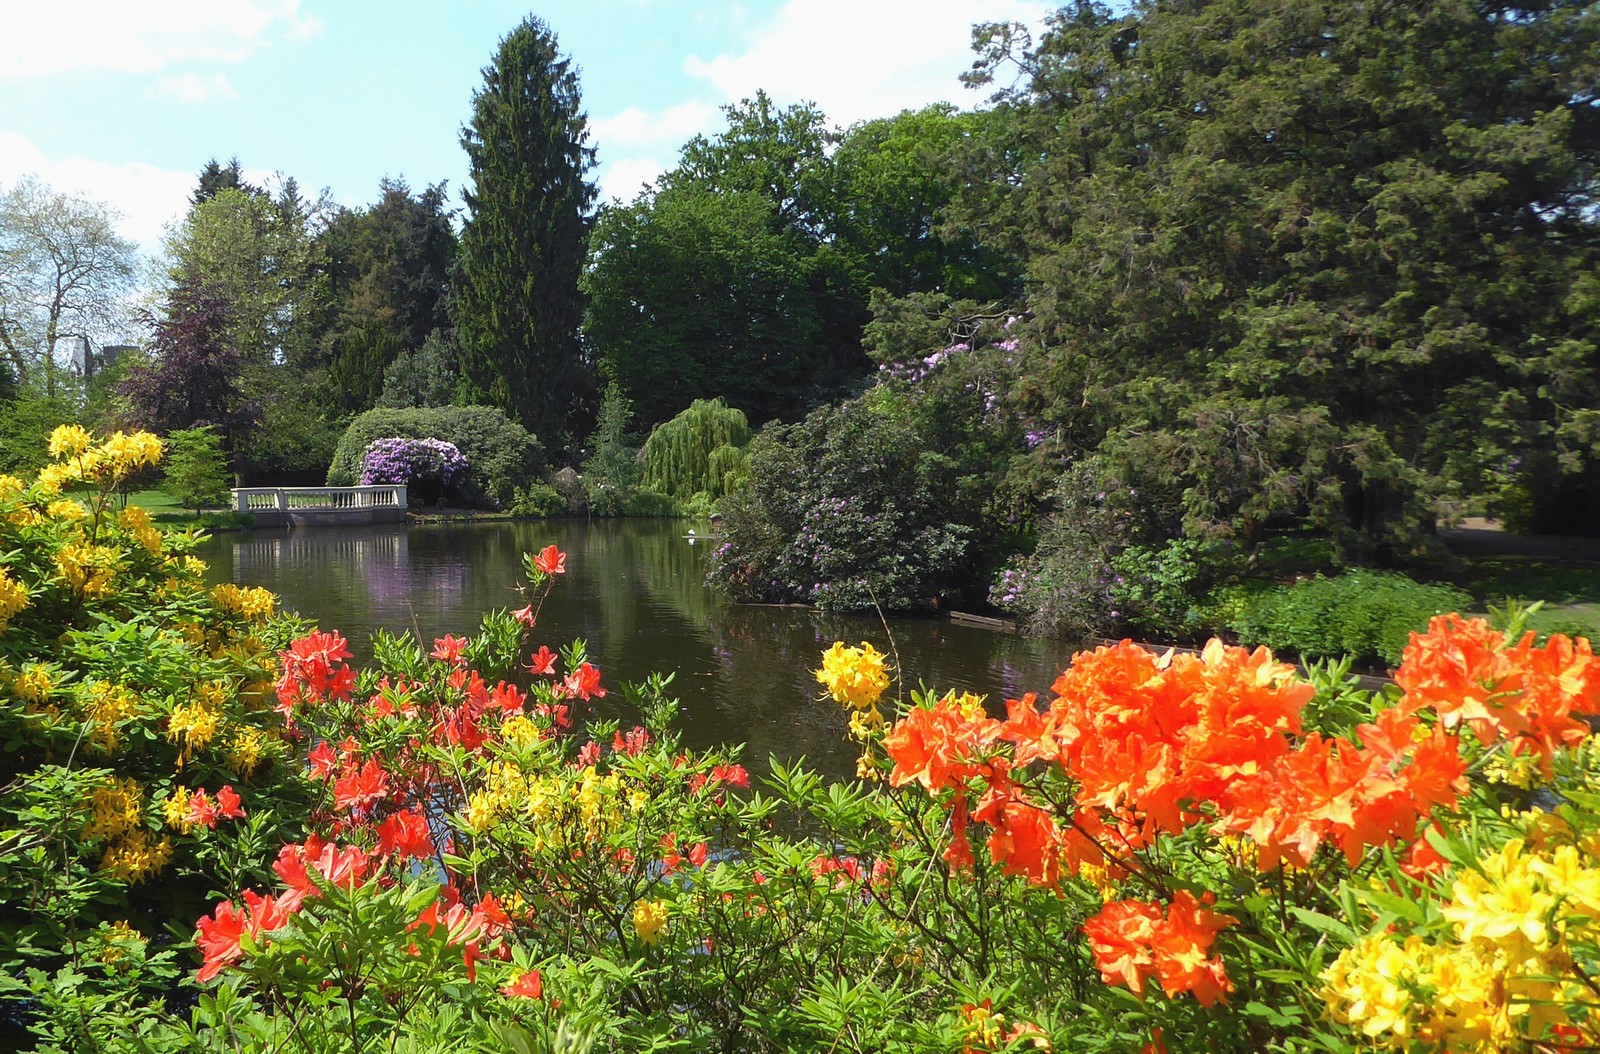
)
(431, 469)
(143, 767)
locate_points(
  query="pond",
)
(634, 590)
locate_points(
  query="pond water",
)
(634, 590)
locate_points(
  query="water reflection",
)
(634, 590)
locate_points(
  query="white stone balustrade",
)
(304, 506)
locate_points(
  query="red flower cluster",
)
(228, 806)
(313, 673)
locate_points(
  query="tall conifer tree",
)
(517, 305)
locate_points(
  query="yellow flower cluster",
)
(175, 810)
(247, 747)
(193, 725)
(32, 685)
(136, 522)
(66, 510)
(13, 597)
(854, 677)
(89, 569)
(80, 461)
(109, 706)
(114, 808)
(136, 856)
(118, 940)
(650, 920)
(1501, 978)
(253, 603)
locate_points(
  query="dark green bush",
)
(537, 501)
(1368, 615)
(502, 455)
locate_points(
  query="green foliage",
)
(26, 421)
(501, 455)
(1367, 615)
(196, 467)
(537, 501)
(391, 264)
(1158, 589)
(697, 293)
(1352, 279)
(701, 450)
(424, 377)
(856, 506)
(517, 307)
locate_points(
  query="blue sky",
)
(123, 101)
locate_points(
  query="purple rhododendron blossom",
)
(431, 464)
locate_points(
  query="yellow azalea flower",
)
(10, 487)
(114, 807)
(175, 810)
(136, 856)
(246, 749)
(66, 510)
(89, 569)
(32, 684)
(109, 706)
(253, 603)
(650, 920)
(854, 677)
(68, 440)
(13, 597)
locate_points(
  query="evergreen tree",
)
(517, 302)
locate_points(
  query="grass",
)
(165, 509)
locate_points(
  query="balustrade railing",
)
(307, 499)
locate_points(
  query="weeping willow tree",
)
(700, 450)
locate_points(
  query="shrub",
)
(538, 501)
(431, 469)
(501, 454)
(1367, 615)
(851, 507)
(143, 765)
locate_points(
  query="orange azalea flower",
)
(1134, 941)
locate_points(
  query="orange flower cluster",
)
(1533, 697)
(1154, 745)
(1133, 941)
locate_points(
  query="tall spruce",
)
(517, 306)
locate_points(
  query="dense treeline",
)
(1194, 269)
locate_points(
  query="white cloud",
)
(148, 198)
(191, 89)
(68, 35)
(857, 60)
(622, 179)
(636, 127)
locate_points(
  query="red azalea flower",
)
(584, 682)
(527, 986)
(551, 561)
(364, 787)
(201, 811)
(405, 834)
(229, 804)
(447, 649)
(323, 760)
(588, 754)
(543, 661)
(526, 616)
